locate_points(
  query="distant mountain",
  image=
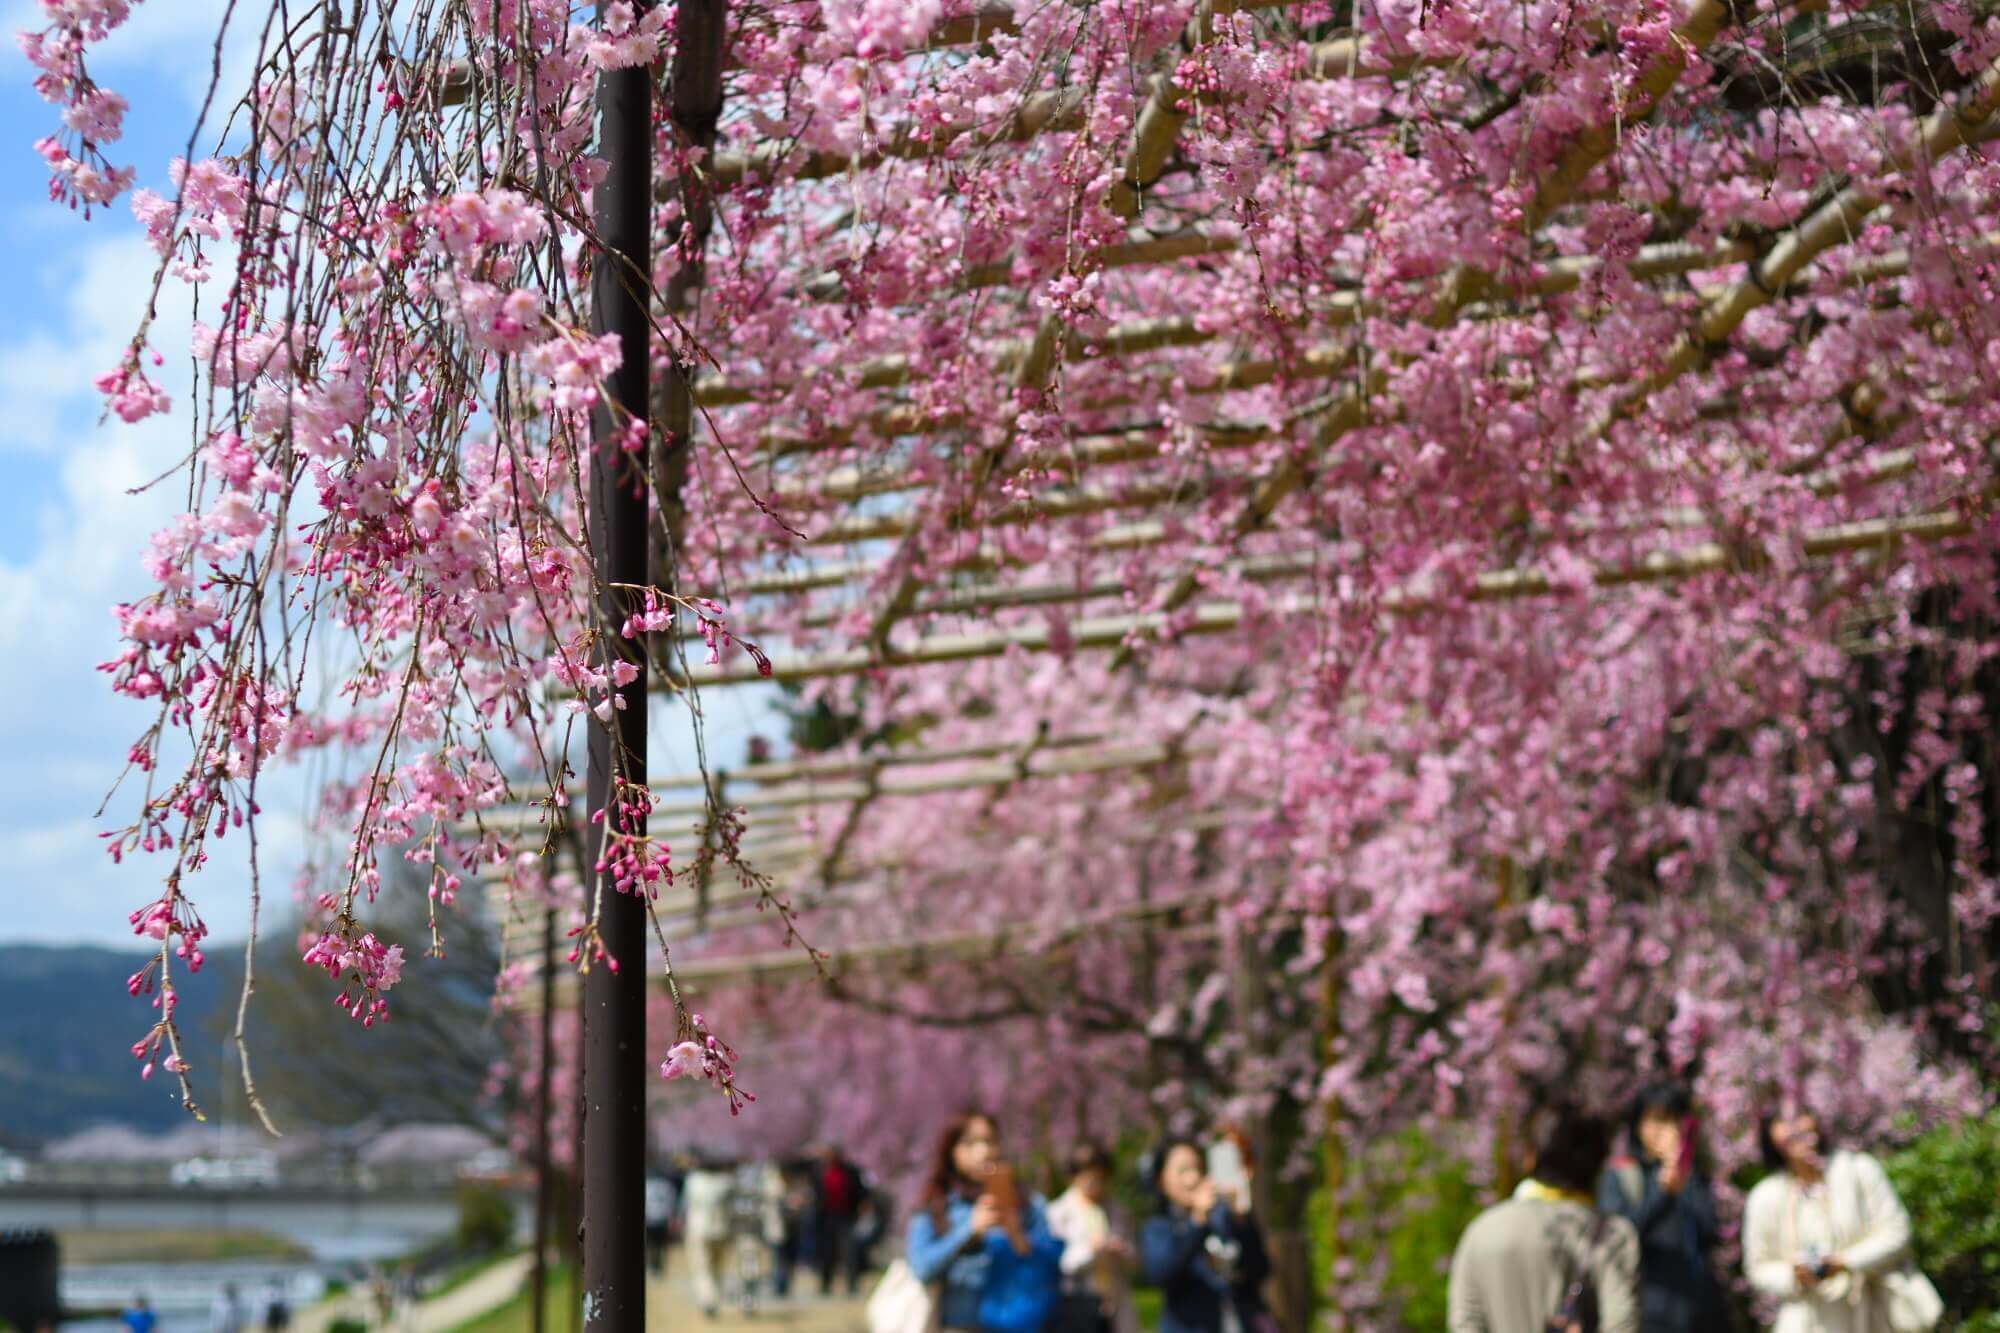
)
(67, 1028)
(66, 1032)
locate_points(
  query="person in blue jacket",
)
(1206, 1257)
(993, 1269)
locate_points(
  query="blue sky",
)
(71, 533)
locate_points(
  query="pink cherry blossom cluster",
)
(629, 859)
(698, 1054)
(79, 173)
(362, 964)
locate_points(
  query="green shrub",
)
(1949, 1179)
(347, 1324)
(1428, 1198)
(485, 1218)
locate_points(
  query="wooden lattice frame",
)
(1464, 293)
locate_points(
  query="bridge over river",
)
(339, 1212)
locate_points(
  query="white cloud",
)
(64, 732)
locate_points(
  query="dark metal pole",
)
(614, 999)
(538, 1274)
(694, 102)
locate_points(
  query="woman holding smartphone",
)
(983, 1247)
(1664, 1193)
(1203, 1251)
(1824, 1233)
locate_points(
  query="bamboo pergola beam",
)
(1150, 532)
(997, 597)
(1051, 762)
(1032, 377)
(1052, 112)
(1342, 309)
(1134, 444)
(1159, 122)
(982, 24)
(1351, 408)
(1316, 361)
(1883, 467)
(791, 770)
(1070, 503)
(1832, 224)
(1020, 941)
(1126, 536)
(1025, 941)
(1140, 247)
(679, 908)
(1113, 632)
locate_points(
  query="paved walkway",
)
(670, 1308)
(494, 1286)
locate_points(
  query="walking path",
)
(670, 1308)
(493, 1287)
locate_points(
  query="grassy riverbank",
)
(170, 1245)
(513, 1315)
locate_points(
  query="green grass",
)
(513, 1317)
(167, 1245)
(465, 1270)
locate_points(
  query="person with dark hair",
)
(1096, 1261)
(840, 1195)
(1824, 1233)
(1663, 1192)
(1545, 1257)
(979, 1240)
(795, 1220)
(1207, 1258)
(277, 1307)
(138, 1317)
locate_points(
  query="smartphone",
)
(1000, 1184)
(1685, 1167)
(1229, 1173)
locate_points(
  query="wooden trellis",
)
(901, 586)
(902, 590)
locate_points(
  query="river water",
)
(184, 1295)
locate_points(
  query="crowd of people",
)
(985, 1256)
(1612, 1229)
(747, 1228)
(1628, 1243)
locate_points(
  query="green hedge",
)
(485, 1218)
(1423, 1198)
(1949, 1179)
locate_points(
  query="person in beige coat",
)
(1516, 1264)
(1822, 1231)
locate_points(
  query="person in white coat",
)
(1096, 1262)
(705, 1230)
(1822, 1232)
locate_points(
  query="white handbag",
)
(901, 1304)
(1909, 1300)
